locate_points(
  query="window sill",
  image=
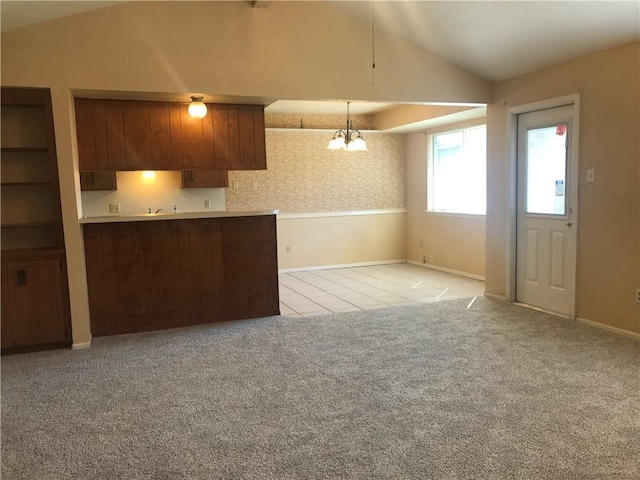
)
(455, 215)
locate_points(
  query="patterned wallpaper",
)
(302, 176)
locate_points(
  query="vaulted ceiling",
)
(494, 39)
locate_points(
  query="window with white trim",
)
(457, 170)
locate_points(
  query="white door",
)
(546, 214)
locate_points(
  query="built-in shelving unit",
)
(35, 298)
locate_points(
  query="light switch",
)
(591, 175)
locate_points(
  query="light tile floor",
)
(317, 292)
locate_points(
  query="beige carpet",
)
(436, 391)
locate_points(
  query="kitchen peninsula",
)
(156, 271)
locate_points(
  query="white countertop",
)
(141, 217)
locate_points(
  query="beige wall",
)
(456, 242)
(304, 178)
(608, 269)
(340, 240)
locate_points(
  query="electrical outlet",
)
(235, 185)
(637, 295)
(288, 249)
(207, 204)
(254, 185)
(114, 208)
(431, 258)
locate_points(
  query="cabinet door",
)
(251, 138)
(114, 119)
(246, 139)
(137, 135)
(8, 318)
(260, 161)
(100, 128)
(160, 125)
(85, 131)
(98, 180)
(91, 129)
(220, 124)
(175, 113)
(35, 294)
(205, 178)
(192, 140)
(234, 137)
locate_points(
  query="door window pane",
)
(546, 170)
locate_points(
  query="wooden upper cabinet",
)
(220, 124)
(137, 135)
(245, 134)
(260, 148)
(100, 131)
(192, 141)
(160, 128)
(85, 130)
(114, 120)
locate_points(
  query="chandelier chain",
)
(373, 48)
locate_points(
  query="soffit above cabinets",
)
(184, 97)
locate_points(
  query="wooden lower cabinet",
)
(34, 314)
(151, 275)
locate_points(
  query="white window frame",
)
(430, 165)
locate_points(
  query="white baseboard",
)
(609, 328)
(81, 345)
(343, 265)
(348, 213)
(447, 270)
(584, 321)
(495, 297)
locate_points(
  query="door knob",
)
(569, 224)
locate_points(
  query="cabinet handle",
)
(21, 277)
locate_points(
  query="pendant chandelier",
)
(349, 139)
